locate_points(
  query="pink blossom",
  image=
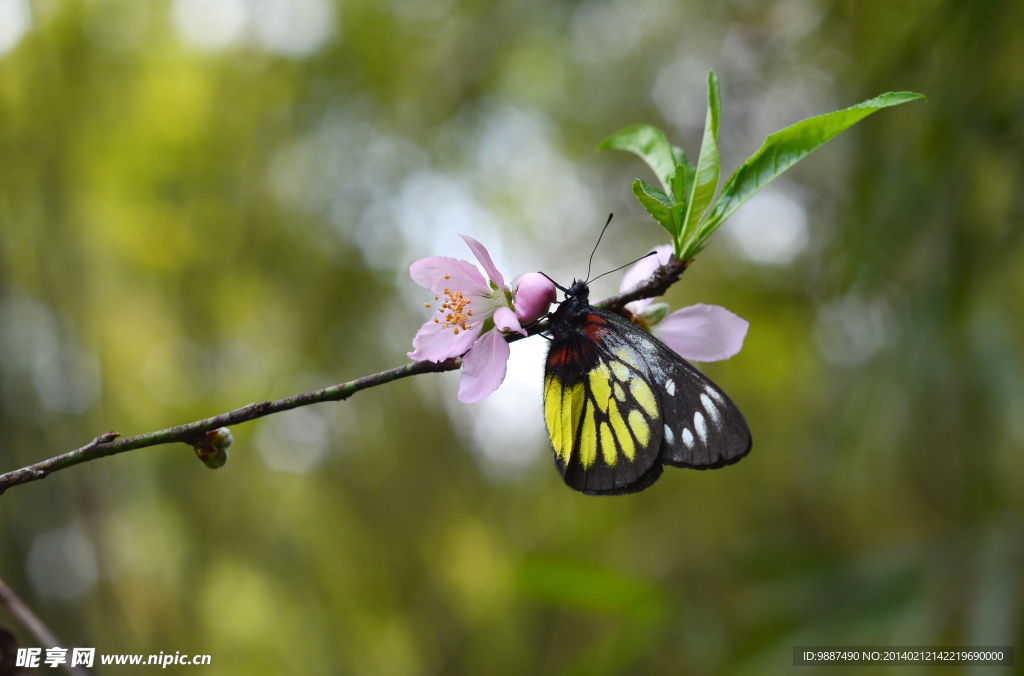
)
(643, 269)
(703, 332)
(534, 295)
(466, 305)
(698, 332)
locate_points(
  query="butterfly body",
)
(619, 404)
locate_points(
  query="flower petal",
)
(433, 343)
(483, 367)
(462, 275)
(507, 322)
(645, 267)
(534, 295)
(703, 332)
(485, 260)
(637, 307)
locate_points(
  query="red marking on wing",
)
(558, 357)
(595, 331)
(594, 319)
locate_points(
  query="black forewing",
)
(703, 429)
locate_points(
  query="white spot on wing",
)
(669, 437)
(687, 437)
(714, 393)
(670, 387)
(716, 417)
(698, 424)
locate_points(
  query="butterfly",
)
(619, 404)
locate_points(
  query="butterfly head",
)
(578, 291)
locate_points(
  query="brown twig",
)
(108, 444)
(23, 614)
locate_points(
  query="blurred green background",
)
(205, 203)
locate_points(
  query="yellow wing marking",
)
(627, 356)
(600, 386)
(621, 433)
(607, 444)
(639, 426)
(572, 409)
(642, 393)
(588, 439)
(564, 408)
(608, 451)
(553, 414)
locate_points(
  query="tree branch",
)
(23, 614)
(652, 287)
(108, 444)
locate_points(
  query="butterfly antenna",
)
(647, 255)
(597, 245)
(557, 285)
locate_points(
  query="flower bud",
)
(212, 448)
(654, 313)
(534, 295)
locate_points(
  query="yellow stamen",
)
(453, 311)
(446, 277)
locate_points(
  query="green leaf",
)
(656, 202)
(684, 174)
(682, 178)
(678, 213)
(705, 182)
(650, 144)
(785, 148)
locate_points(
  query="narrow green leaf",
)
(705, 182)
(656, 202)
(785, 148)
(680, 180)
(651, 145)
(666, 200)
(678, 213)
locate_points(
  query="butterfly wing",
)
(701, 427)
(601, 410)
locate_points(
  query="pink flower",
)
(698, 332)
(472, 319)
(534, 295)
